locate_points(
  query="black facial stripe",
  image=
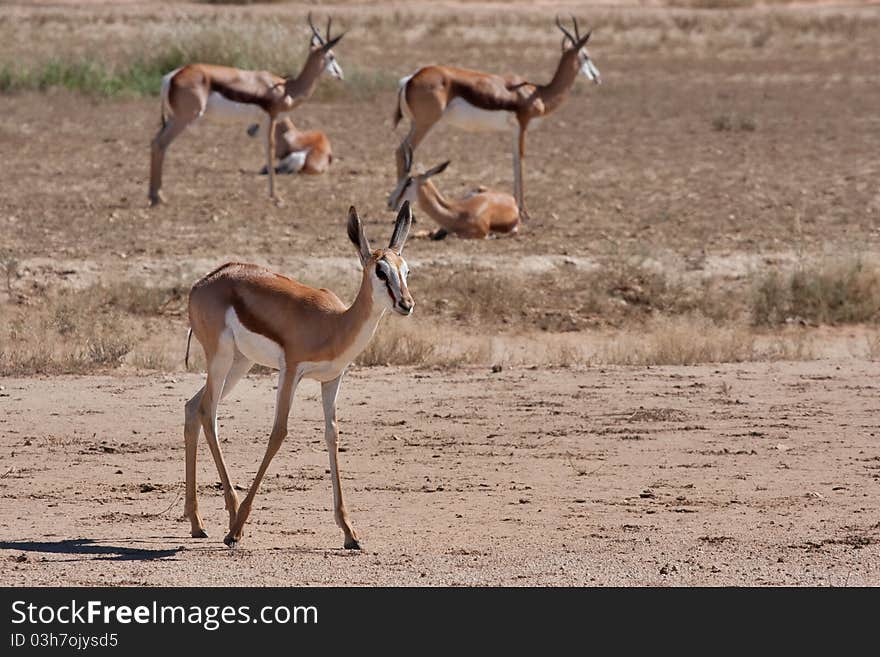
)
(388, 282)
(390, 292)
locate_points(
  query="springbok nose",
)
(405, 306)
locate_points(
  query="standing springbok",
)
(481, 212)
(231, 94)
(478, 102)
(242, 314)
(298, 152)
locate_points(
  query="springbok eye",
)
(381, 273)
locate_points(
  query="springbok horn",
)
(315, 31)
(564, 31)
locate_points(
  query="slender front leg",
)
(270, 156)
(329, 390)
(286, 387)
(519, 152)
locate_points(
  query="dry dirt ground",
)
(717, 139)
(711, 475)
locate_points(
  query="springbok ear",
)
(332, 42)
(401, 228)
(356, 235)
(440, 168)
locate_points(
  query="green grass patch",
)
(90, 76)
(144, 78)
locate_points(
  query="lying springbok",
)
(481, 212)
(477, 102)
(232, 94)
(297, 152)
(245, 314)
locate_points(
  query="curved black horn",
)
(577, 34)
(564, 31)
(314, 30)
(329, 23)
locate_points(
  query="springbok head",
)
(385, 268)
(579, 45)
(408, 188)
(322, 45)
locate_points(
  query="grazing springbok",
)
(481, 212)
(231, 94)
(297, 152)
(477, 102)
(245, 314)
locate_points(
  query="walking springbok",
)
(242, 314)
(297, 152)
(474, 216)
(231, 94)
(478, 102)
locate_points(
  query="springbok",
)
(231, 94)
(477, 102)
(297, 152)
(242, 314)
(481, 212)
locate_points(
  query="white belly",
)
(220, 108)
(294, 162)
(465, 116)
(256, 347)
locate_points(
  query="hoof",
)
(264, 171)
(439, 234)
(199, 533)
(253, 130)
(353, 544)
(156, 199)
(230, 540)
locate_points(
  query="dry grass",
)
(834, 292)
(680, 341)
(537, 320)
(95, 329)
(119, 44)
(694, 340)
(734, 123)
(415, 342)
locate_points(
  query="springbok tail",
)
(401, 98)
(189, 336)
(398, 112)
(165, 111)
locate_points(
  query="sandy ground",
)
(717, 475)
(764, 473)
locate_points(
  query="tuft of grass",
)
(734, 123)
(359, 84)
(841, 292)
(9, 264)
(88, 76)
(407, 342)
(241, 2)
(81, 331)
(680, 341)
(394, 344)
